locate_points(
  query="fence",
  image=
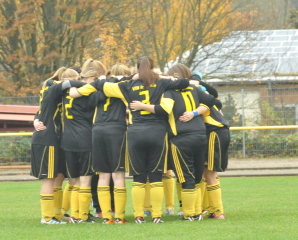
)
(242, 108)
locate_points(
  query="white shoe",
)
(52, 221)
(180, 213)
(169, 212)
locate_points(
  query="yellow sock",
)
(168, 184)
(84, 202)
(156, 193)
(147, 202)
(138, 198)
(198, 203)
(120, 201)
(47, 206)
(215, 200)
(188, 198)
(104, 198)
(204, 195)
(58, 194)
(66, 198)
(179, 187)
(74, 201)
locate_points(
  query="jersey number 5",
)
(146, 101)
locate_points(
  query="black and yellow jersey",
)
(134, 90)
(214, 119)
(110, 109)
(50, 114)
(176, 102)
(77, 122)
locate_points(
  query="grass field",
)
(256, 208)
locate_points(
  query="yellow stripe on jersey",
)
(172, 123)
(86, 90)
(211, 151)
(177, 164)
(112, 90)
(94, 116)
(189, 101)
(167, 104)
(126, 155)
(166, 155)
(210, 120)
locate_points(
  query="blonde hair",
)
(120, 70)
(180, 71)
(57, 76)
(89, 72)
(70, 74)
(133, 70)
(97, 65)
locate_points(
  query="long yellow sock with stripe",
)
(138, 198)
(147, 202)
(215, 199)
(66, 198)
(84, 202)
(120, 201)
(204, 194)
(156, 193)
(198, 203)
(104, 198)
(74, 201)
(47, 206)
(179, 188)
(58, 194)
(189, 199)
(168, 185)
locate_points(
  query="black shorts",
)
(78, 164)
(62, 163)
(44, 161)
(188, 154)
(108, 147)
(147, 148)
(217, 155)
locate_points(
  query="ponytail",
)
(146, 73)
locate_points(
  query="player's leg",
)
(168, 183)
(104, 196)
(119, 196)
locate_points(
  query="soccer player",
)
(188, 141)
(146, 134)
(76, 142)
(45, 145)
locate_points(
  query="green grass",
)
(256, 208)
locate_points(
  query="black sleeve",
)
(218, 104)
(206, 99)
(178, 84)
(96, 97)
(76, 84)
(160, 111)
(98, 84)
(210, 89)
(50, 82)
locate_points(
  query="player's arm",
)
(164, 108)
(178, 84)
(206, 102)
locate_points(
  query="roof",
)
(251, 55)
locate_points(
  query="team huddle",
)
(104, 123)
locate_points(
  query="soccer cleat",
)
(188, 219)
(169, 212)
(52, 221)
(221, 216)
(157, 220)
(99, 214)
(140, 220)
(107, 221)
(120, 221)
(198, 217)
(180, 213)
(147, 213)
(73, 220)
(66, 217)
(89, 220)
